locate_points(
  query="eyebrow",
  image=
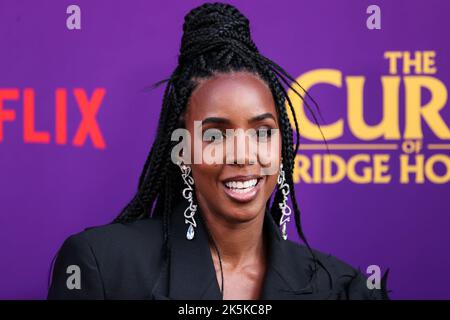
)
(263, 116)
(219, 120)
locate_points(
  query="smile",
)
(243, 190)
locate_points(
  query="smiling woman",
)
(235, 191)
(197, 230)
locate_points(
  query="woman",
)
(211, 230)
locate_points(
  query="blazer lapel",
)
(190, 273)
(286, 280)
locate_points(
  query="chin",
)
(239, 213)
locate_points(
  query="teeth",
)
(240, 186)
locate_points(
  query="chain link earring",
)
(188, 195)
(285, 209)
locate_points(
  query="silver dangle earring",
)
(285, 209)
(188, 195)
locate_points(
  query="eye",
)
(264, 133)
(213, 135)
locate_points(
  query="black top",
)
(126, 261)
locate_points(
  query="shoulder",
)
(331, 273)
(115, 236)
(105, 255)
(113, 242)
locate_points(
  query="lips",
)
(243, 189)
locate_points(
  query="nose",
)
(241, 149)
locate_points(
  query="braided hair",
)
(216, 39)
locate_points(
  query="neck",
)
(239, 243)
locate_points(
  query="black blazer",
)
(126, 261)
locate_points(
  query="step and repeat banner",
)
(78, 117)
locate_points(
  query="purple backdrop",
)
(49, 191)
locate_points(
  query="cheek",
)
(269, 152)
(270, 166)
(205, 177)
(271, 183)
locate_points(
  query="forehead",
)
(238, 94)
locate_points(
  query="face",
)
(237, 188)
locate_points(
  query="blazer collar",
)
(190, 273)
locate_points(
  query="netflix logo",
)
(87, 104)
